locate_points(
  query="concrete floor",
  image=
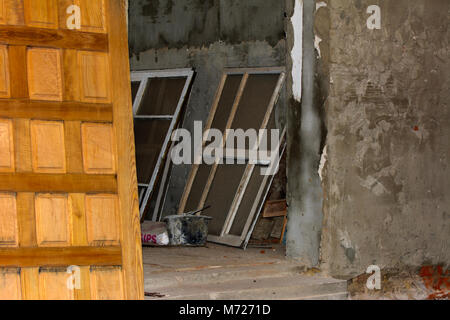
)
(221, 272)
(212, 256)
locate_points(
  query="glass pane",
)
(150, 136)
(161, 96)
(134, 89)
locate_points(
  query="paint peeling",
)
(317, 41)
(323, 161)
(297, 50)
(320, 5)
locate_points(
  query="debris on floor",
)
(426, 284)
(154, 233)
(271, 224)
(188, 229)
(154, 295)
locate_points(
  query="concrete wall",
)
(386, 179)
(368, 134)
(207, 35)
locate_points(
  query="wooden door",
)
(69, 216)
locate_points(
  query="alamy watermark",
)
(374, 281)
(235, 146)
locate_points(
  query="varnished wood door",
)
(68, 190)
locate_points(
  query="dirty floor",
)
(221, 272)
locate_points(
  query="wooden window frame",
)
(143, 77)
(225, 237)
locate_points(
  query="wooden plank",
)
(71, 75)
(74, 156)
(14, 12)
(44, 74)
(30, 283)
(8, 220)
(6, 146)
(101, 219)
(98, 148)
(80, 256)
(107, 283)
(26, 220)
(41, 13)
(48, 146)
(53, 224)
(60, 38)
(84, 292)
(133, 277)
(72, 183)
(78, 215)
(25, 108)
(10, 288)
(275, 208)
(53, 284)
(5, 89)
(22, 143)
(18, 71)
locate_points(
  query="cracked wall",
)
(386, 178)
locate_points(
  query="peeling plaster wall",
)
(386, 176)
(207, 35)
(304, 139)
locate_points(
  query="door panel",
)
(67, 197)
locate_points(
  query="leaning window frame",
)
(143, 77)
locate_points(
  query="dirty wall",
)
(385, 167)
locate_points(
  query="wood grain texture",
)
(8, 220)
(74, 156)
(84, 292)
(22, 143)
(71, 183)
(133, 278)
(98, 148)
(14, 11)
(59, 38)
(94, 77)
(48, 146)
(41, 13)
(44, 74)
(80, 256)
(10, 287)
(78, 216)
(26, 219)
(30, 283)
(53, 225)
(107, 283)
(49, 110)
(17, 56)
(101, 219)
(53, 285)
(5, 91)
(2, 12)
(93, 15)
(6, 146)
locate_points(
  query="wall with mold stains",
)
(386, 175)
(207, 35)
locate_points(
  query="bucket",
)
(187, 230)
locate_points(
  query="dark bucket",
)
(187, 230)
